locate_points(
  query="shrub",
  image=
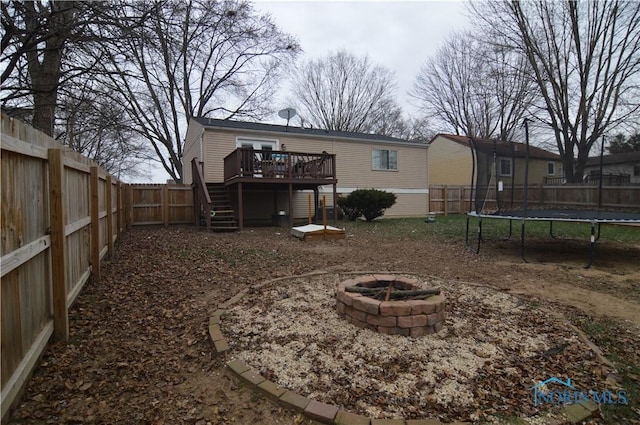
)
(349, 211)
(370, 203)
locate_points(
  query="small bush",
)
(370, 203)
(349, 211)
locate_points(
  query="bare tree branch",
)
(585, 58)
(196, 58)
(475, 89)
(347, 93)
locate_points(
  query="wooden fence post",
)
(165, 204)
(58, 244)
(130, 202)
(126, 206)
(445, 196)
(109, 195)
(119, 209)
(95, 224)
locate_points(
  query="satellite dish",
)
(287, 114)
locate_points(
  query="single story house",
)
(259, 172)
(618, 168)
(451, 162)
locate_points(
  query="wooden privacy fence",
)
(445, 199)
(61, 214)
(160, 204)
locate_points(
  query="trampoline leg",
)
(592, 244)
(510, 231)
(551, 230)
(479, 235)
(466, 235)
(524, 258)
(466, 241)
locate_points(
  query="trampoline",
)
(594, 217)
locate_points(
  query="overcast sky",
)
(400, 35)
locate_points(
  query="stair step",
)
(224, 229)
(224, 219)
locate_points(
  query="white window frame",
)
(551, 166)
(376, 166)
(258, 142)
(500, 170)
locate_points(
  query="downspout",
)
(201, 137)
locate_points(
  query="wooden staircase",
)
(223, 216)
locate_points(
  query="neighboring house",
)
(619, 168)
(450, 162)
(266, 170)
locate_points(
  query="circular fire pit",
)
(390, 305)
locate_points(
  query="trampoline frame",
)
(593, 217)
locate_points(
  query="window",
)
(636, 170)
(263, 146)
(257, 144)
(505, 166)
(383, 159)
(551, 168)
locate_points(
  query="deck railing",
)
(265, 164)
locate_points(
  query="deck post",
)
(290, 205)
(275, 207)
(196, 206)
(316, 202)
(335, 205)
(240, 207)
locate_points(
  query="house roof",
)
(616, 158)
(503, 149)
(311, 132)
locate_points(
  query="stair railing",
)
(202, 198)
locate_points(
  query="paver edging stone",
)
(291, 400)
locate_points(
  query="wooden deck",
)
(264, 170)
(268, 168)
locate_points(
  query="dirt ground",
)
(139, 350)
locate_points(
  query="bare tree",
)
(475, 89)
(161, 62)
(89, 123)
(197, 58)
(348, 93)
(585, 58)
(33, 43)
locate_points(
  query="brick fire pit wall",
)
(409, 318)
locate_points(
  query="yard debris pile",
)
(389, 291)
(493, 349)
